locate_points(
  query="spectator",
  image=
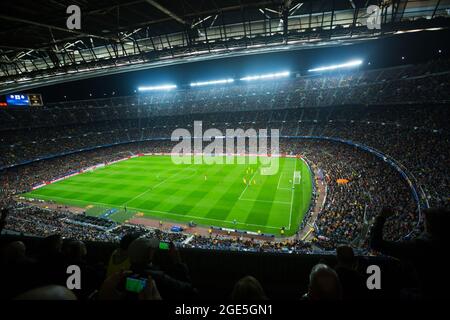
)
(114, 288)
(324, 284)
(51, 260)
(424, 252)
(141, 252)
(352, 282)
(119, 260)
(14, 252)
(91, 277)
(248, 288)
(51, 292)
(18, 271)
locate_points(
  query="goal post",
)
(297, 177)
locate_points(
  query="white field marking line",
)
(292, 195)
(156, 211)
(280, 202)
(75, 200)
(203, 218)
(251, 179)
(154, 187)
(279, 180)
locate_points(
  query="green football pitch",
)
(234, 195)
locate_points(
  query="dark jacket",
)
(425, 253)
(352, 282)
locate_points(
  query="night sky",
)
(414, 47)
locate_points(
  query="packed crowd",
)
(30, 220)
(40, 273)
(358, 186)
(26, 219)
(68, 126)
(411, 83)
(415, 135)
(348, 210)
(96, 222)
(218, 242)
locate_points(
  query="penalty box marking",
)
(278, 188)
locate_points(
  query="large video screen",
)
(17, 100)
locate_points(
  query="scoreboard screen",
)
(17, 100)
(35, 100)
(24, 100)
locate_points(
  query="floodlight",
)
(156, 88)
(266, 76)
(205, 83)
(349, 64)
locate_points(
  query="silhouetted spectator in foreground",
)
(51, 260)
(114, 288)
(51, 292)
(13, 253)
(175, 285)
(91, 278)
(18, 270)
(352, 282)
(119, 260)
(51, 247)
(324, 284)
(424, 253)
(3, 215)
(248, 288)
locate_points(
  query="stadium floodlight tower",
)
(348, 64)
(164, 87)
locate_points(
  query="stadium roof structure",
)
(37, 48)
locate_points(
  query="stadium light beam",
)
(349, 64)
(156, 88)
(206, 83)
(266, 76)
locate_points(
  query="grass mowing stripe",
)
(154, 187)
(259, 212)
(187, 196)
(221, 208)
(292, 196)
(186, 204)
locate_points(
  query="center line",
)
(256, 170)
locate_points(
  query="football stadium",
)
(235, 196)
(198, 151)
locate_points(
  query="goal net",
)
(297, 177)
